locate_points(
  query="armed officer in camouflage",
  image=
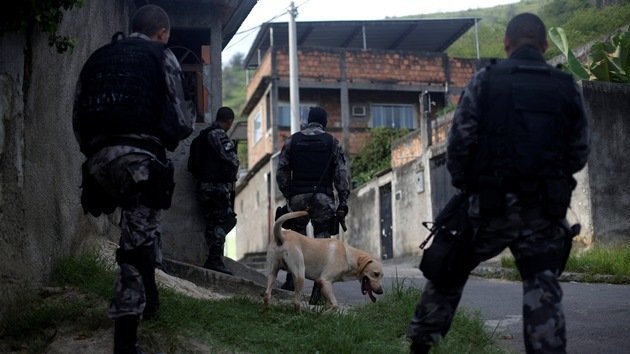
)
(518, 136)
(310, 163)
(213, 161)
(129, 108)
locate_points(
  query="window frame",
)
(414, 115)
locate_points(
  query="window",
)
(284, 114)
(257, 127)
(393, 116)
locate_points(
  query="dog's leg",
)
(299, 288)
(272, 275)
(327, 290)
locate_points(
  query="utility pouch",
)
(448, 261)
(491, 196)
(157, 191)
(557, 197)
(94, 199)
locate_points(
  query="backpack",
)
(198, 152)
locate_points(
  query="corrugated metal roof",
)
(423, 35)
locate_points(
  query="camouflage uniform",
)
(322, 206)
(523, 227)
(217, 198)
(118, 169)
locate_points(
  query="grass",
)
(234, 325)
(613, 260)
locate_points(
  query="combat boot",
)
(316, 296)
(288, 283)
(215, 261)
(126, 335)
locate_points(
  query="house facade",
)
(366, 74)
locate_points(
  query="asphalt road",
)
(597, 315)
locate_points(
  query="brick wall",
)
(366, 66)
(262, 71)
(406, 149)
(461, 71)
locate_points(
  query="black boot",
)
(152, 296)
(126, 335)
(419, 348)
(316, 296)
(288, 283)
(215, 261)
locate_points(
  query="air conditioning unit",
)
(359, 111)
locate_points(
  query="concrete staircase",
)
(255, 260)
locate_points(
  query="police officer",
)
(214, 163)
(130, 107)
(310, 163)
(518, 136)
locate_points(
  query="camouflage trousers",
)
(527, 234)
(140, 231)
(217, 204)
(321, 212)
(140, 234)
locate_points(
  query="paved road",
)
(597, 315)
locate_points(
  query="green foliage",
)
(234, 85)
(582, 22)
(375, 155)
(608, 61)
(46, 14)
(599, 260)
(613, 260)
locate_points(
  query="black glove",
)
(342, 211)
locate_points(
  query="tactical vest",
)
(524, 122)
(205, 163)
(123, 91)
(310, 162)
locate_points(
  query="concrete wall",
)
(255, 210)
(183, 225)
(40, 215)
(607, 105)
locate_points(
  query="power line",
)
(284, 12)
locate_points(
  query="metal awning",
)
(421, 35)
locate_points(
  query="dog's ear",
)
(362, 262)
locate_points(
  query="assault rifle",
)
(445, 215)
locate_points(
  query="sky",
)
(338, 10)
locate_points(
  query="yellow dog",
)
(323, 260)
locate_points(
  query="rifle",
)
(443, 217)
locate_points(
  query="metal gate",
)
(387, 245)
(441, 188)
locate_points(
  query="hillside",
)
(581, 20)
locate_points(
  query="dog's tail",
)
(277, 233)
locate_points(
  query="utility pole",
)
(294, 89)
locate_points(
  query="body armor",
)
(310, 163)
(123, 91)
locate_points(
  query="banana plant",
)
(608, 61)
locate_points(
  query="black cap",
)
(318, 115)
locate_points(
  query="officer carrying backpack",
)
(198, 152)
(122, 90)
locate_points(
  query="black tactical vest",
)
(523, 123)
(123, 91)
(311, 163)
(205, 163)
